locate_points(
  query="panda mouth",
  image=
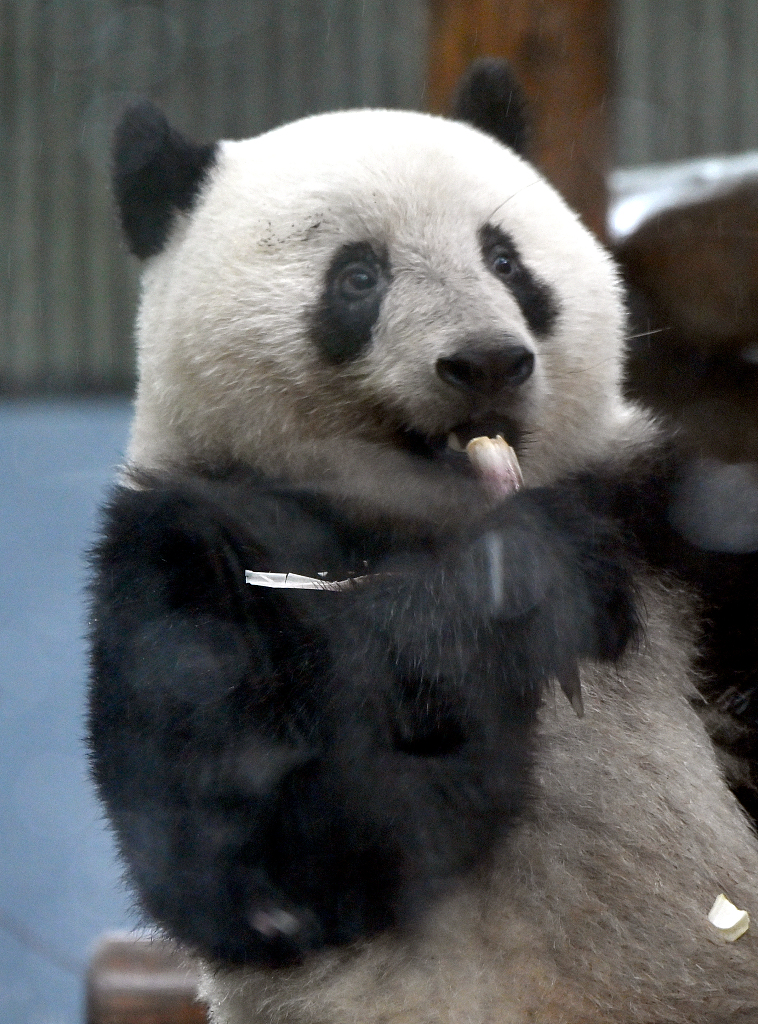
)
(450, 447)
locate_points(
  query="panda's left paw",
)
(370, 834)
(283, 933)
(328, 850)
(251, 922)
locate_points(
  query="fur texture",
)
(256, 714)
(359, 806)
(595, 910)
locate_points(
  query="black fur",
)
(354, 286)
(648, 499)
(489, 98)
(728, 660)
(156, 171)
(288, 769)
(536, 299)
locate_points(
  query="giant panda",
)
(367, 800)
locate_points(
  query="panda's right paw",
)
(545, 558)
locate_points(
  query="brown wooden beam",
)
(559, 49)
(133, 980)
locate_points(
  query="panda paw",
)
(260, 926)
(347, 853)
(547, 557)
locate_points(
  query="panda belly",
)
(593, 909)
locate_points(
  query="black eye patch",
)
(536, 299)
(354, 286)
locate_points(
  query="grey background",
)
(219, 69)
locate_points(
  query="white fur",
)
(226, 365)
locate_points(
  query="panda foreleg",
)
(183, 763)
(266, 798)
(287, 770)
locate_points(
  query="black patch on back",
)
(343, 321)
(156, 171)
(536, 299)
(489, 98)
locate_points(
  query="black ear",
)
(489, 98)
(156, 171)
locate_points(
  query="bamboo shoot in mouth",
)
(496, 465)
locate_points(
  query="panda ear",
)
(489, 98)
(156, 171)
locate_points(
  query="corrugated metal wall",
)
(219, 68)
(687, 85)
(687, 79)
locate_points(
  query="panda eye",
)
(356, 281)
(502, 264)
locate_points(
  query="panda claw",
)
(572, 686)
(283, 936)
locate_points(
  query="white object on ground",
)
(727, 919)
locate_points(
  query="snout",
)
(487, 370)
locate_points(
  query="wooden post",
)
(133, 980)
(559, 49)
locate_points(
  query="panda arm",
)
(696, 520)
(171, 743)
(273, 784)
(290, 769)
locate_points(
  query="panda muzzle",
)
(487, 374)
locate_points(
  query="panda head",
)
(361, 288)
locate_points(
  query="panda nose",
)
(486, 372)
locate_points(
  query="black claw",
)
(572, 686)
